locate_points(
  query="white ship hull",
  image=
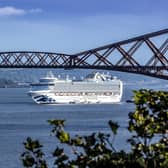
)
(51, 98)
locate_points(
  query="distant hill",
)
(7, 83)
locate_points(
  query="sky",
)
(71, 26)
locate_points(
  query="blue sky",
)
(70, 26)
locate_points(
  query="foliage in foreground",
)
(149, 140)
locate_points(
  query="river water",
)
(20, 117)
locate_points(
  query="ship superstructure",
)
(94, 88)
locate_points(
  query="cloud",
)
(9, 10)
(12, 11)
(36, 10)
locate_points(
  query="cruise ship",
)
(96, 87)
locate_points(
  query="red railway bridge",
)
(145, 54)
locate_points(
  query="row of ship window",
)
(86, 94)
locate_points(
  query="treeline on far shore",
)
(7, 83)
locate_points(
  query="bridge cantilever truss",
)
(146, 54)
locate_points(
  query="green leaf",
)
(64, 137)
(114, 126)
(56, 122)
(58, 152)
